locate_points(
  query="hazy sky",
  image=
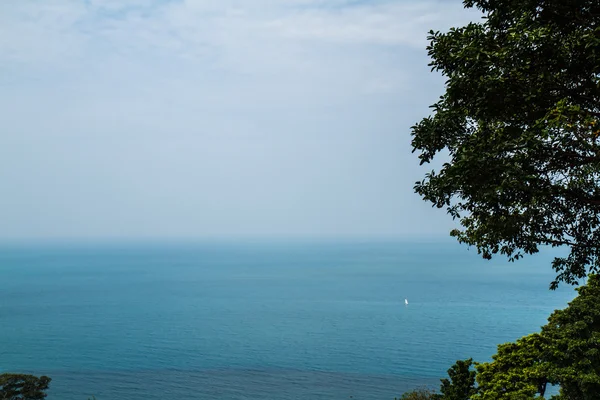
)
(212, 118)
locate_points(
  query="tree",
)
(520, 123)
(574, 335)
(565, 353)
(519, 371)
(461, 385)
(419, 394)
(23, 387)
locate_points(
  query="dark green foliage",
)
(574, 334)
(520, 121)
(565, 353)
(23, 387)
(519, 370)
(419, 394)
(461, 382)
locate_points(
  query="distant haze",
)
(198, 119)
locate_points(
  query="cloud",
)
(207, 117)
(230, 31)
(390, 23)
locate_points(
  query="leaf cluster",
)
(565, 353)
(520, 123)
(23, 387)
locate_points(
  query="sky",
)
(228, 118)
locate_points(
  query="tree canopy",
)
(460, 384)
(520, 124)
(573, 335)
(565, 353)
(519, 370)
(23, 387)
(419, 394)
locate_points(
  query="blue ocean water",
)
(260, 320)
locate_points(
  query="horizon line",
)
(433, 238)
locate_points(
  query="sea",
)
(260, 319)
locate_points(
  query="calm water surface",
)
(301, 320)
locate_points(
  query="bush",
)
(420, 394)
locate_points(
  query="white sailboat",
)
(405, 302)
